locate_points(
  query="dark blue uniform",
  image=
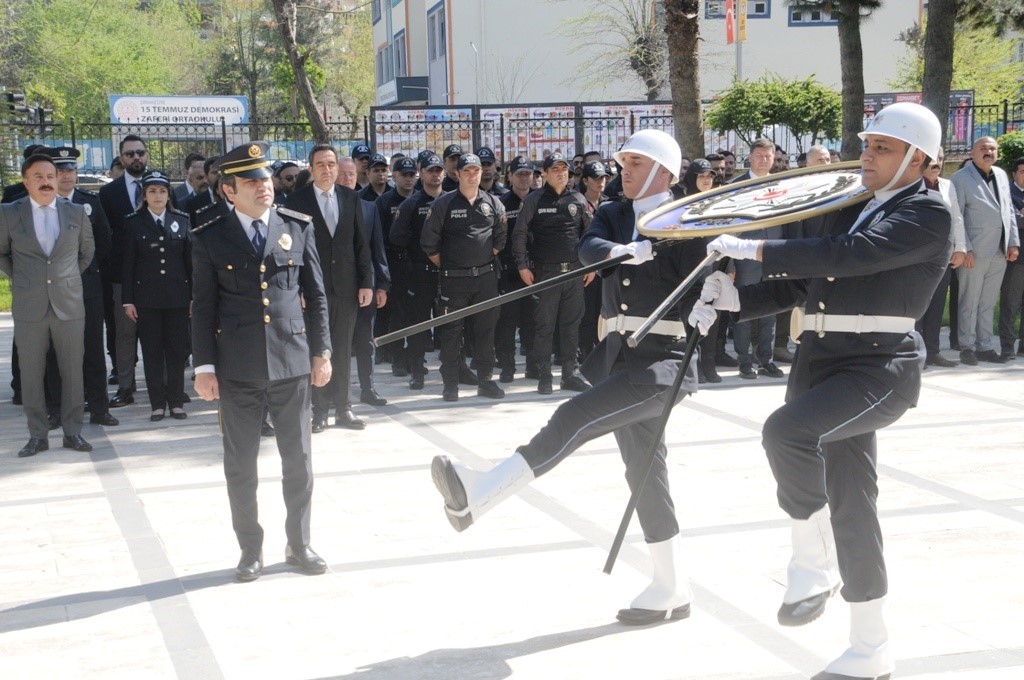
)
(515, 314)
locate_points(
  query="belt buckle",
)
(620, 324)
(819, 323)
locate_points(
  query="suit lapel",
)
(27, 223)
(984, 185)
(235, 234)
(274, 230)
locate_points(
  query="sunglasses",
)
(132, 153)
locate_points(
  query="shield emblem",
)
(175, 227)
(573, 210)
(486, 210)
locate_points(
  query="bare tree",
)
(285, 12)
(683, 32)
(506, 80)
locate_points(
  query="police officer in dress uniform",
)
(418, 301)
(463, 233)
(392, 315)
(157, 291)
(630, 386)
(517, 314)
(858, 369)
(252, 346)
(545, 243)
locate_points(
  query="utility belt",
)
(471, 272)
(822, 323)
(555, 266)
(623, 324)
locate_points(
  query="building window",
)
(812, 17)
(385, 64)
(400, 54)
(756, 9)
(375, 10)
(436, 37)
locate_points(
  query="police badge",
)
(175, 227)
(88, 209)
(486, 210)
(285, 242)
(573, 210)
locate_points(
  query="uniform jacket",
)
(988, 221)
(407, 227)
(247, 320)
(181, 193)
(637, 290)
(92, 282)
(38, 280)
(373, 234)
(345, 257)
(157, 262)
(549, 226)
(889, 266)
(464, 234)
(197, 202)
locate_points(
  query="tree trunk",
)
(938, 57)
(284, 10)
(851, 56)
(683, 75)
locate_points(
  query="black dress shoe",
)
(466, 376)
(645, 617)
(266, 429)
(574, 383)
(75, 442)
(53, 421)
(416, 382)
(305, 559)
(726, 360)
(348, 420)
(450, 394)
(122, 398)
(156, 416)
(490, 389)
(250, 566)
(747, 371)
(544, 385)
(806, 610)
(968, 357)
(991, 356)
(112, 379)
(371, 397)
(771, 370)
(507, 375)
(34, 446)
(178, 414)
(319, 424)
(102, 419)
(940, 361)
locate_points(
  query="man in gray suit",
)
(45, 245)
(992, 241)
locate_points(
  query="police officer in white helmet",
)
(857, 369)
(630, 386)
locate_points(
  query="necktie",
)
(258, 239)
(138, 193)
(328, 207)
(51, 227)
(160, 226)
(868, 209)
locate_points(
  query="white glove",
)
(702, 316)
(736, 248)
(642, 251)
(720, 292)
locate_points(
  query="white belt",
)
(627, 324)
(822, 323)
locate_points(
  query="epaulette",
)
(176, 211)
(206, 207)
(294, 214)
(86, 192)
(212, 221)
(134, 212)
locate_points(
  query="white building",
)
(454, 52)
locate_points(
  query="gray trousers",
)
(125, 343)
(33, 339)
(979, 289)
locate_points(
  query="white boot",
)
(468, 493)
(868, 656)
(668, 596)
(813, 573)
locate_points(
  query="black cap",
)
(431, 160)
(452, 150)
(377, 159)
(64, 156)
(361, 151)
(156, 177)
(423, 154)
(520, 163)
(486, 155)
(405, 164)
(248, 160)
(467, 160)
(32, 149)
(556, 157)
(698, 166)
(281, 166)
(594, 169)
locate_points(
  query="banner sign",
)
(175, 110)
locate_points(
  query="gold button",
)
(263, 286)
(263, 268)
(291, 262)
(230, 267)
(266, 302)
(266, 319)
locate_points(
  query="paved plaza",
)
(119, 563)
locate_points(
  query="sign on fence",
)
(173, 110)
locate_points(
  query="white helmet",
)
(908, 122)
(658, 146)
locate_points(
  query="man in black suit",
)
(347, 275)
(208, 195)
(252, 342)
(120, 198)
(94, 362)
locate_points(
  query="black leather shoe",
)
(53, 421)
(747, 371)
(75, 442)
(178, 414)
(940, 361)
(450, 394)
(112, 379)
(991, 356)
(250, 566)
(771, 370)
(348, 420)
(371, 397)
(266, 429)
(466, 376)
(507, 375)
(319, 424)
(544, 385)
(156, 416)
(968, 357)
(122, 398)
(725, 360)
(490, 389)
(574, 383)
(34, 446)
(711, 375)
(806, 610)
(103, 419)
(416, 382)
(645, 617)
(305, 559)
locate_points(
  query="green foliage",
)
(1011, 147)
(804, 106)
(349, 65)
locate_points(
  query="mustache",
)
(47, 187)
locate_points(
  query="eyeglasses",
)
(134, 152)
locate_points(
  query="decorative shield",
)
(758, 203)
